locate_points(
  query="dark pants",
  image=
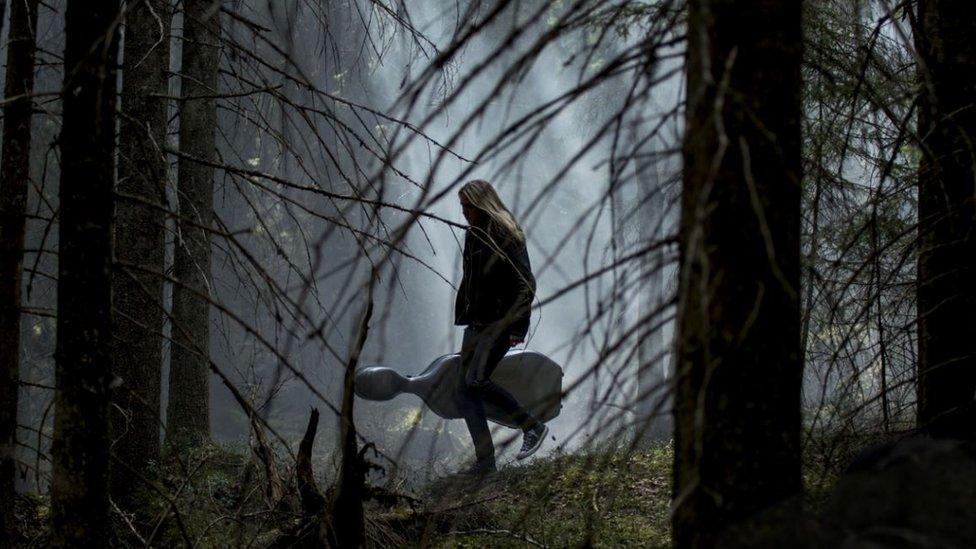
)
(481, 351)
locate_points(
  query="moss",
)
(31, 515)
(605, 498)
(218, 498)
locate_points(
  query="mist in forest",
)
(555, 178)
(568, 229)
(751, 233)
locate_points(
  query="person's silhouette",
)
(494, 302)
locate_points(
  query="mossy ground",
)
(608, 498)
(600, 497)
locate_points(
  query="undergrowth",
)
(607, 497)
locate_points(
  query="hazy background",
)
(331, 107)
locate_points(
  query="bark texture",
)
(947, 218)
(188, 412)
(738, 368)
(14, 178)
(83, 357)
(139, 226)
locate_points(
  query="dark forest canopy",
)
(747, 233)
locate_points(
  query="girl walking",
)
(494, 302)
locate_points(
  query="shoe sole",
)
(534, 449)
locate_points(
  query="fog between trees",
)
(777, 190)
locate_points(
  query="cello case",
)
(532, 378)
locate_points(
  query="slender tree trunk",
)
(652, 390)
(188, 413)
(83, 358)
(947, 226)
(737, 401)
(14, 177)
(138, 319)
(3, 13)
(345, 512)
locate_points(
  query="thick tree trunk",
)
(138, 315)
(946, 210)
(188, 413)
(738, 375)
(83, 358)
(14, 177)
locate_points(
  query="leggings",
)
(481, 351)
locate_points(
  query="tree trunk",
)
(946, 210)
(14, 177)
(737, 400)
(652, 389)
(263, 457)
(138, 318)
(346, 524)
(188, 413)
(3, 13)
(83, 358)
(311, 499)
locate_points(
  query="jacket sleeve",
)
(524, 285)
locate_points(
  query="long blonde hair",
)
(480, 194)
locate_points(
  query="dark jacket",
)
(496, 287)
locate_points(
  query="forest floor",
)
(600, 497)
(606, 498)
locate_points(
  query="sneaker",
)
(532, 440)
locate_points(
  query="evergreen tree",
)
(188, 413)
(946, 218)
(738, 365)
(14, 178)
(83, 357)
(139, 226)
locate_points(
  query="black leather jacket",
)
(496, 287)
